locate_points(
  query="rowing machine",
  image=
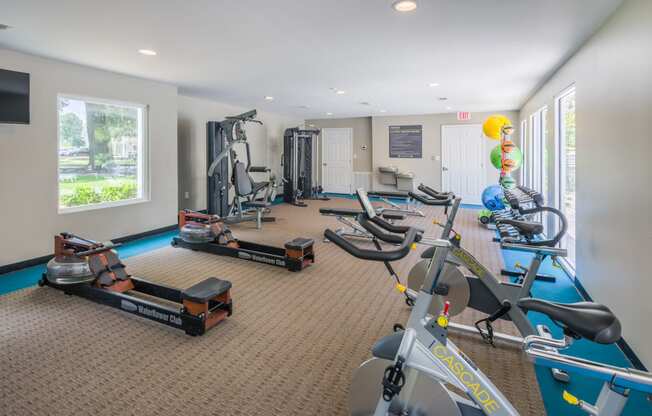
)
(94, 271)
(204, 232)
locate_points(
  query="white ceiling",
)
(485, 54)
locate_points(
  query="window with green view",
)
(101, 153)
(567, 173)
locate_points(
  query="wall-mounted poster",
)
(405, 142)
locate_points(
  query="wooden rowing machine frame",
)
(200, 307)
(295, 256)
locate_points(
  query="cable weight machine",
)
(300, 166)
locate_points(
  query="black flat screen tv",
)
(14, 97)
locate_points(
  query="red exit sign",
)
(463, 116)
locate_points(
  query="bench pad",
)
(389, 194)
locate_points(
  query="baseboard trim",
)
(629, 353)
(13, 267)
(578, 285)
(24, 264)
(622, 344)
(145, 234)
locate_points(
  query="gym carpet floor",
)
(290, 347)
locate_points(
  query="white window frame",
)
(524, 148)
(560, 168)
(143, 155)
(544, 176)
(535, 155)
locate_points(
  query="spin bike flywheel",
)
(428, 397)
(459, 292)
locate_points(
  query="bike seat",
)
(387, 347)
(589, 320)
(524, 227)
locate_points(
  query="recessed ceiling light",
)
(340, 92)
(311, 125)
(148, 52)
(383, 111)
(269, 98)
(433, 84)
(443, 98)
(329, 114)
(404, 5)
(449, 108)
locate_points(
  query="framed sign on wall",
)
(406, 142)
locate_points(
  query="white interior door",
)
(337, 160)
(464, 155)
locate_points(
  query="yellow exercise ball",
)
(493, 126)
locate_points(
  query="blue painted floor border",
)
(395, 200)
(563, 290)
(30, 276)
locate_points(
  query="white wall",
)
(427, 170)
(28, 159)
(614, 150)
(266, 144)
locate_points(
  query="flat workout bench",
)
(386, 197)
(352, 228)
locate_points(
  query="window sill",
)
(104, 205)
(568, 268)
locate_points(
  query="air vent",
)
(443, 98)
(364, 103)
(4, 27)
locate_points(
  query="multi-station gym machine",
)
(300, 166)
(251, 199)
(209, 232)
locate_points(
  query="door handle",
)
(444, 168)
(324, 164)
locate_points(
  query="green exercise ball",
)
(496, 157)
(513, 159)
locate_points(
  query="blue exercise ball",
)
(492, 198)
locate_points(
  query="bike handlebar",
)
(374, 255)
(433, 201)
(376, 225)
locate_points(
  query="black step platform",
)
(206, 290)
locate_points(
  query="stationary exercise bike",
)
(412, 371)
(482, 290)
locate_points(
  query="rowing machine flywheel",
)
(69, 270)
(196, 233)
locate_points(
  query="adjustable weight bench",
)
(386, 197)
(248, 190)
(347, 216)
